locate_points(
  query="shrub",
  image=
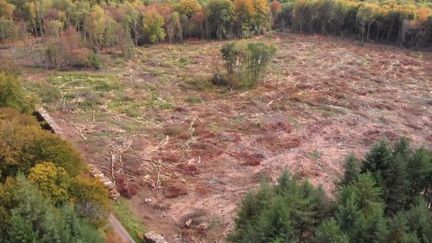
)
(8, 114)
(245, 62)
(52, 181)
(94, 60)
(90, 199)
(66, 51)
(12, 94)
(55, 55)
(23, 146)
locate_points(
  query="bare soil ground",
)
(190, 150)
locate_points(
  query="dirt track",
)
(194, 150)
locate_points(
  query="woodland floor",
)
(193, 150)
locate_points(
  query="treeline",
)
(75, 31)
(46, 194)
(384, 198)
(405, 23)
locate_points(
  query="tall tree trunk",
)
(390, 30)
(368, 31)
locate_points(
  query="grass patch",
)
(194, 100)
(126, 105)
(196, 83)
(154, 101)
(46, 93)
(77, 89)
(96, 82)
(183, 62)
(132, 224)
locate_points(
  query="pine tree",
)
(348, 214)
(309, 204)
(385, 202)
(35, 219)
(378, 158)
(360, 210)
(78, 229)
(419, 220)
(366, 194)
(312, 207)
(399, 231)
(285, 183)
(330, 232)
(410, 238)
(251, 209)
(372, 227)
(419, 170)
(377, 162)
(352, 169)
(288, 211)
(395, 185)
(403, 148)
(275, 223)
(20, 230)
(253, 204)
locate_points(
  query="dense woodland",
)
(46, 193)
(384, 198)
(72, 33)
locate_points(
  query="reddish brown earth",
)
(190, 164)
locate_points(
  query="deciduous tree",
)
(220, 14)
(52, 181)
(153, 24)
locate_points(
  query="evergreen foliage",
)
(384, 198)
(282, 213)
(352, 169)
(330, 232)
(34, 219)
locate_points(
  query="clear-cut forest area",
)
(216, 120)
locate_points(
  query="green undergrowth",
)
(88, 92)
(132, 224)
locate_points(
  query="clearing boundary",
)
(116, 225)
